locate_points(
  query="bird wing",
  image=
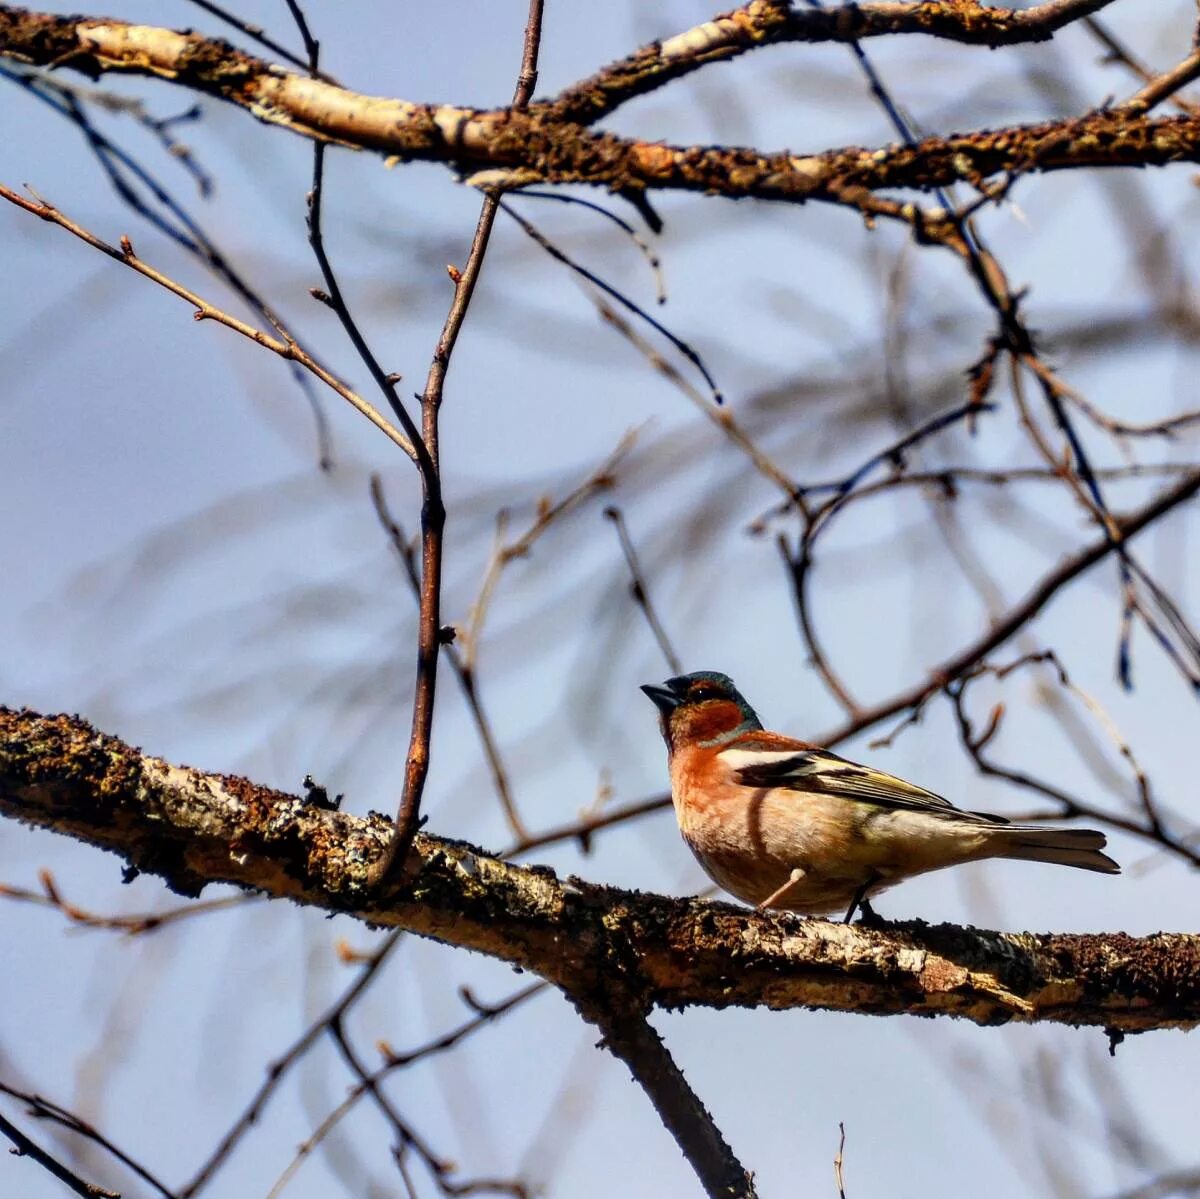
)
(759, 763)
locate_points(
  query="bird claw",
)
(868, 917)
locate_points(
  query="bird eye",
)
(699, 694)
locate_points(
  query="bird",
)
(782, 824)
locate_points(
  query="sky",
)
(179, 570)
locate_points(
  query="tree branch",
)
(629, 1036)
(771, 22)
(1024, 611)
(193, 828)
(27, 1148)
(510, 147)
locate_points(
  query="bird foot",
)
(868, 917)
(860, 904)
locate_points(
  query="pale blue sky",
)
(179, 572)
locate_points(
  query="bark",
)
(508, 148)
(595, 943)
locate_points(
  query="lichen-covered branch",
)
(629, 1036)
(509, 147)
(193, 828)
(771, 22)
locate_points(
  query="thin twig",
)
(582, 830)
(255, 33)
(651, 257)
(369, 1083)
(559, 255)
(406, 552)
(839, 1161)
(204, 311)
(282, 1064)
(27, 1148)
(51, 897)
(409, 1140)
(506, 551)
(44, 1109)
(640, 592)
(1119, 52)
(433, 511)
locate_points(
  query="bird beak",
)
(663, 698)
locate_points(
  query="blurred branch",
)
(638, 590)
(369, 1084)
(24, 1147)
(51, 897)
(193, 828)
(43, 1109)
(286, 348)
(333, 1017)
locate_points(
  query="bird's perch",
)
(193, 828)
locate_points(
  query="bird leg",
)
(859, 903)
(792, 879)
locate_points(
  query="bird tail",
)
(1079, 847)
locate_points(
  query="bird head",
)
(703, 708)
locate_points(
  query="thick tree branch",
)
(508, 147)
(770, 22)
(193, 828)
(629, 1036)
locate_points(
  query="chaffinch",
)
(783, 824)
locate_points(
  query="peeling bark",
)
(192, 828)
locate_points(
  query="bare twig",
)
(43, 1109)
(369, 1083)
(282, 1064)
(204, 311)
(459, 665)
(433, 511)
(582, 830)
(639, 591)
(24, 1147)
(50, 896)
(506, 551)
(630, 305)
(1119, 52)
(255, 33)
(839, 1161)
